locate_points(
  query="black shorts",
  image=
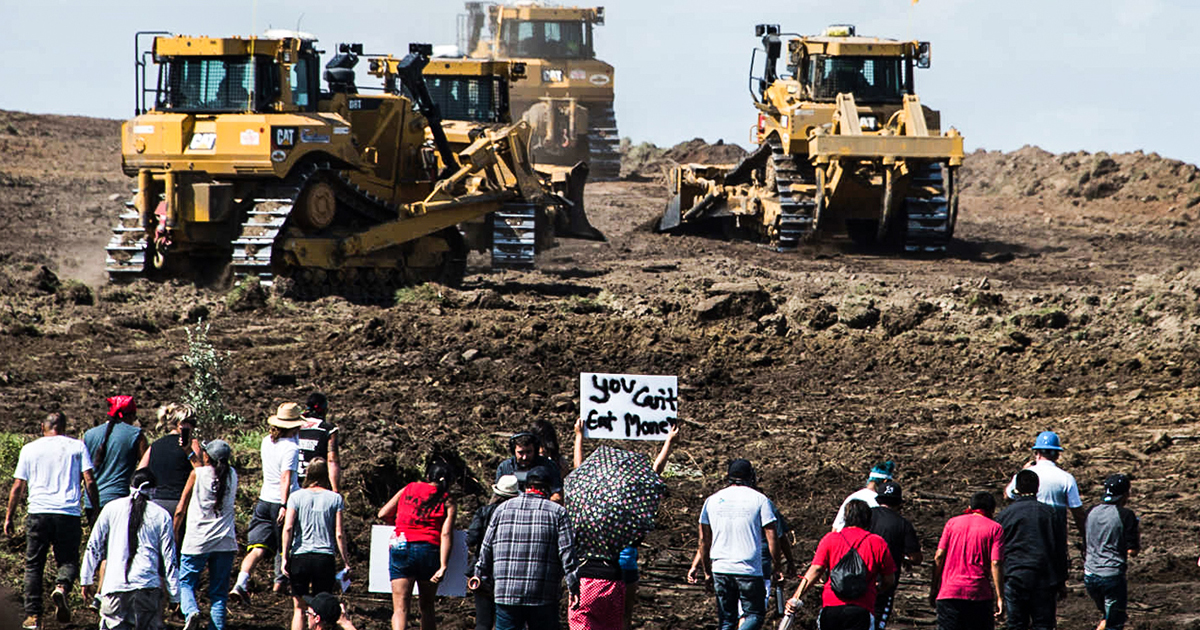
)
(312, 573)
(264, 530)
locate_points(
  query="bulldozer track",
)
(514, 236)
(794, 185)
(929, 213)
(604, 144)
(126, 250)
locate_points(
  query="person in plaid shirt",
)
(527, 551)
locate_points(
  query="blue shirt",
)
(120, 459)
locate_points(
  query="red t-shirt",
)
(416, 517)
(874, 552)
(972, 542)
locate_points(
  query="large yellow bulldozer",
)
(568, 97)
(844, 146)
(244, 163)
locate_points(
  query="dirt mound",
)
(647, 162)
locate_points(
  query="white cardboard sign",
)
(453, 584)
(628, 406)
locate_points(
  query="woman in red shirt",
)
(420, 547)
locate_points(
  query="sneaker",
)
(239, 594)
(31, 623)
(63, 612)
(95, 603)
(193, 622)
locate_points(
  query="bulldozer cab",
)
(473, 90)
(200, 75)
(529, 30)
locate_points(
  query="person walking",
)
(879, 474)
(844, 607)
(312, 533)
(52, 470)
(968, 569)
(733, 524)
(485, 603)
(115, 448)
(526, 448)
(1056, 487)
(209, 540)
(136, 538)
(1113, 536)
(280, 453)
(173, 456)
(1035, 558)
(888, 523)
(527, 552)
(421, 543)
(320, 438)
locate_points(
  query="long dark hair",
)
(221, 478)
(548, 438)
(143, 481)
(437, 474)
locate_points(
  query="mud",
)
(1054, 309)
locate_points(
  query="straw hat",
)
(289, 416)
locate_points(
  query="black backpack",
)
(848, 579)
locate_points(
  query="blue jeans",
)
(543, 617)
(219, 564)
(750, 590)
(1111, 595)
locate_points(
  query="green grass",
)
(10, 450)
(427, 293)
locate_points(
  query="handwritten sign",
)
(453, 584)
(628, 406)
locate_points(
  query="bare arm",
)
(886, 582)
(89, 485)
(145, 461)
(702, 564)
(285, 491)
(660, 462)
(331, 459)
(388, 511)
(815, 573)
(341, 539)
(289, 521)
(15, 496)
(181, 508)
(142, 446)
(773, 547)
(578, 450)
(935, 577)
(997, 581)
(446, 543)
(194, 454)
(1080, 517)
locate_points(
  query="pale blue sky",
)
(1114, 75)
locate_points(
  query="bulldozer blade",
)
(672, 216)
(577, 224)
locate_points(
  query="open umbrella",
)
(612, 498)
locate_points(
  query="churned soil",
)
(1069, 300)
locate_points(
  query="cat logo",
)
(283, 137)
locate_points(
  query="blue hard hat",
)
(1047, 441)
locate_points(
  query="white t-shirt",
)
(276, 458)
(866, 494)
(1056, 487)
(51, 468)
(737, 516)
(207, 529)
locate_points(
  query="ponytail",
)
(98, 460)
(221, 479)
(143, 481)
(437, 474)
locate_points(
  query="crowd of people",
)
(162, 518)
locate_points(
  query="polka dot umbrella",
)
(612, 498)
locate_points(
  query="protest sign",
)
(628, 406)
(454, 582)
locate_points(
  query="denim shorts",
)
(414, 561)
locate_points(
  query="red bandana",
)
(121, 407)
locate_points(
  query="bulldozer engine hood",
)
(232, 144)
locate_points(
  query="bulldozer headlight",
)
(552, 76)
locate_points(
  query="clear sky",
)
(1061, 74)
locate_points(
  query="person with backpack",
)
(968, 569)
(733, 524)
(858, 564)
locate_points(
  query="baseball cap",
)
(326, 607)
(218, 450)
(1047, 441)
(538, 474)
(889, 493)
(741, 470)
(1115, 487)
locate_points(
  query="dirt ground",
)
(1069, 300)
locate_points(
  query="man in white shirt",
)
(131, 590)
(733, 525)
(879, 474)
(51, 468)
(1056, 487)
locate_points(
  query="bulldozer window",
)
(476, 99)
(302, 79)
(209, 84)
(869, 79)
(559, 40)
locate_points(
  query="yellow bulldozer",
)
(568, 97)
(244, 164)
(844, 146)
